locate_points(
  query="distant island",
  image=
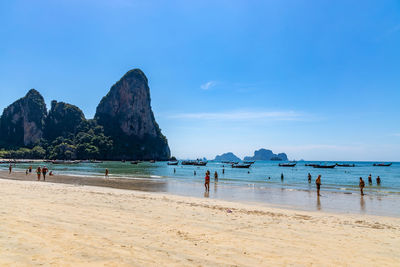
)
(261, 154)
(124, 127)
(227, 157)
(266, 154)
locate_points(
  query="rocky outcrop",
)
(227, 157)
(126, 115)
(63, 120)
(265, 154)
(22, 122)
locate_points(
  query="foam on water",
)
(238, 183)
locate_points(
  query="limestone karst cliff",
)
(124, 126)
(126, 115)
(22, 122)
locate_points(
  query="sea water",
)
(262, 183)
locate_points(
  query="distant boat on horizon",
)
(324, 166)
(310, 164)
(241, 166)
(383, 164)
(287, 164)
(345, 165)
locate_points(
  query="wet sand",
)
(119, 183)
(70, 225)
(306, 200)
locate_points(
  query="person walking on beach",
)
(106, 172)
(378, 180)
(207, 181)
(370, 179)
(10, 168)
(318, 184)
(216, 176)
(309, 178)
(361, 185)
(38, 173)
(44, 172)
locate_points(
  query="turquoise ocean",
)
(262, 183)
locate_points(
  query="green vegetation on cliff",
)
(124, 127)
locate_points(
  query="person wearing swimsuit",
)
(318, 184)
(38, 172)
(361, 185)
(207, 182)
(44, 172)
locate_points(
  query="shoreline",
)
(301, 200)
(58, 224)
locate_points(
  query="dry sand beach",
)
(44, 223)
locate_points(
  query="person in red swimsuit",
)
(207, 181)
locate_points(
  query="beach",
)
(44, 223)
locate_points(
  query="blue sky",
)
(319, 80)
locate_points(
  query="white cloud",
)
(242, 115)
(208, 85)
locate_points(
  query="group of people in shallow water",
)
(317, 181)
(39, 172)
(361, 184)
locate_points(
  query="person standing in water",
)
(106, 172)
(378, 180)
(207, 181)
(318, 184)
(10, 168)
(281, 176)
(361, 185)
(309, 178)
(370, 179)
(30, 169)
(216, 176)
(38, 173)
(44, 172)
(223, 171)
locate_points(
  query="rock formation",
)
(124, 126)
(126, 115)
(227, 157)
(22, 122)
(63, 120)
(265, 154)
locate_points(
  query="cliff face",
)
(265, 154)
(63, 120)
(22, 122)
(126, 115)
